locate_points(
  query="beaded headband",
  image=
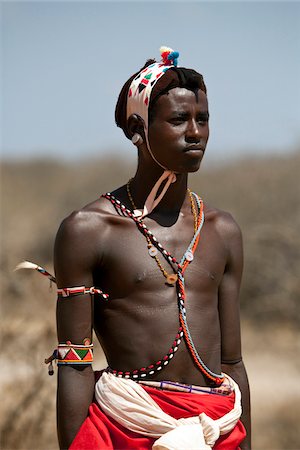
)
(141, 86)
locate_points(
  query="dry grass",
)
(262, 195)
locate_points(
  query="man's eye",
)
(203, 119)
(177, 120)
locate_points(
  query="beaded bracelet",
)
(68, 353)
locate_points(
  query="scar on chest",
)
(141, 276)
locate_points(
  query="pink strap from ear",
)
(151, 202)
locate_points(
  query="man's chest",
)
(131, 262)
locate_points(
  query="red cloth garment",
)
(99, 431)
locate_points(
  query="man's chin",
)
(194, 167)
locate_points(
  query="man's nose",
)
(193, 132)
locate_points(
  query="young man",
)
(170, 267)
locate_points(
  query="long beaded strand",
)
(183, 330)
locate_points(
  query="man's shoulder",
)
(223, 221)
(85, 234)
(86, 220)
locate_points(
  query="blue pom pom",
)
(173, 57)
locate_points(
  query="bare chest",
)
(129, 265)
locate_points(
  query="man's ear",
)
(135, 124)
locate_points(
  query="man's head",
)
(164, 110)
(163, 80)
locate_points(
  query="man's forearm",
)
(74, 396)
(238, 373)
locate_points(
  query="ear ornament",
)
(137, 139)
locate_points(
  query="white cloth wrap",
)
(132, 407)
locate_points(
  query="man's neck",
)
(143, 182)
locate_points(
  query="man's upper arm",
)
(73, 260)
(229, 308)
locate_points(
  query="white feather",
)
(26, 265)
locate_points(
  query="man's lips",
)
(194, 149)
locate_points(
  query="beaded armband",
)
(68, 353)
(80, 290)
(63, 292)
(74, 354)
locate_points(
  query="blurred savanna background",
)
(64, 65)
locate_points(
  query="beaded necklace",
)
(181, 296)
(153, 252)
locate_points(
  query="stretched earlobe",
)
(135, 127)
(137, 139)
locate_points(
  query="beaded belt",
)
(225, 389)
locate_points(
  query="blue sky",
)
(64, 63)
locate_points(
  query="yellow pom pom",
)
(164, 49)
